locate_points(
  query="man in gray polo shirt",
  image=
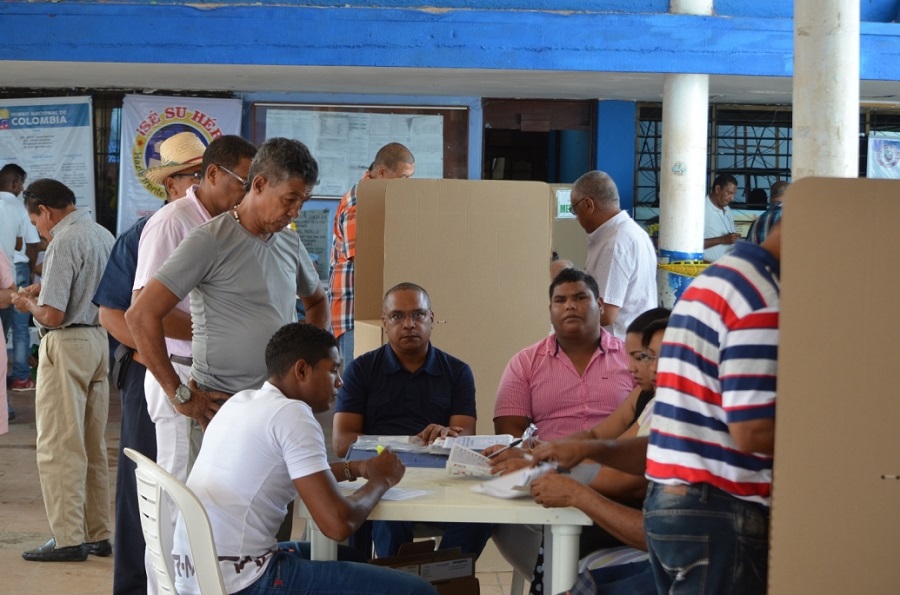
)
(242, 270)
(72, 397)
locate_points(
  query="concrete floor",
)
(23, 521)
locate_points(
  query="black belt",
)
(42, 332)
(184, 360)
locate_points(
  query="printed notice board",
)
(344, 139)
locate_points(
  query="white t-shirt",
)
(11, 227)
(717, 222)
(255, 446)
(622, 260)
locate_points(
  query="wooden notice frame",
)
(345, 138)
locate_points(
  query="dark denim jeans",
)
(291, 571)
(703, 540)
(21, 338)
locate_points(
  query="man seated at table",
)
(408, 387)
(263, 448)
(519, 544)
(573, 379)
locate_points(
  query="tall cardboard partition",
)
(480, 248)
(836, 499)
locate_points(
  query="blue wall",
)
(616, 137)
(506, 39)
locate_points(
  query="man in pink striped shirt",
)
(573, 379)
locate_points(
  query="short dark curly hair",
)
(575, 276)
(294, 342)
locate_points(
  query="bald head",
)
(598, 186)
(393, 160)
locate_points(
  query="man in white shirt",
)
(719, 234)
(620, 255)
(20, 244)
(261, 450)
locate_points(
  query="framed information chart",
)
(345, 138)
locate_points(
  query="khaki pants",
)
(71, 410)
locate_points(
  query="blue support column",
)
(616, 138)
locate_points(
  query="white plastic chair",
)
(152, 481)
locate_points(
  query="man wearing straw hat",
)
(180, 155)
(223, 170)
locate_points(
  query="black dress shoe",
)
(101, 549)
(50, 553)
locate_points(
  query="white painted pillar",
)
(826, 89)
(682, 167)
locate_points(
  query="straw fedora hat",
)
(177, 153)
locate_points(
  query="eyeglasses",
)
(417, 316)
(643, 357)
(574, 205)
(243, 182)
(195, 175)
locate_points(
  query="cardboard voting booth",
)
(835, 527)
(482, 251)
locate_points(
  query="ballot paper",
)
(465, 462)
(477, 443)
(517, 484)
(440, 446)
(392, 495)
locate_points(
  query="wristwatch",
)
(182, 395)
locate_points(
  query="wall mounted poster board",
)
(344, 139)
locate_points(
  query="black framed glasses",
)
(195, 175)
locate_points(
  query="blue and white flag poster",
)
(51, 137)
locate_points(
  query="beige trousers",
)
(71, 410)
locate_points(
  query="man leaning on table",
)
(408, 387)
(262, 449)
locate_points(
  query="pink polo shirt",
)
(541, 382)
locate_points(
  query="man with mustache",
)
(408, 387)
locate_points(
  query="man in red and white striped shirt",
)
(713, 427)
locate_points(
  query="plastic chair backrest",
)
(152, 481)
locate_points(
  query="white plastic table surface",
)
(451, 499)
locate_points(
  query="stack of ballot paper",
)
(476, 443)
(440, 446)
(517, 484)
(466, 462)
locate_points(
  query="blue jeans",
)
(291, 571)
(703, 540)
(345, 346)
(21, 341)
(635, 578)
(470, 538)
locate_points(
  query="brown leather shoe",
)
(50, 553)
(101, 549)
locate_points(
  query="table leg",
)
(321, 547)
(563, 563)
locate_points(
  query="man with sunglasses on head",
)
(180, 158)
(408, 387)
(220, 186)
